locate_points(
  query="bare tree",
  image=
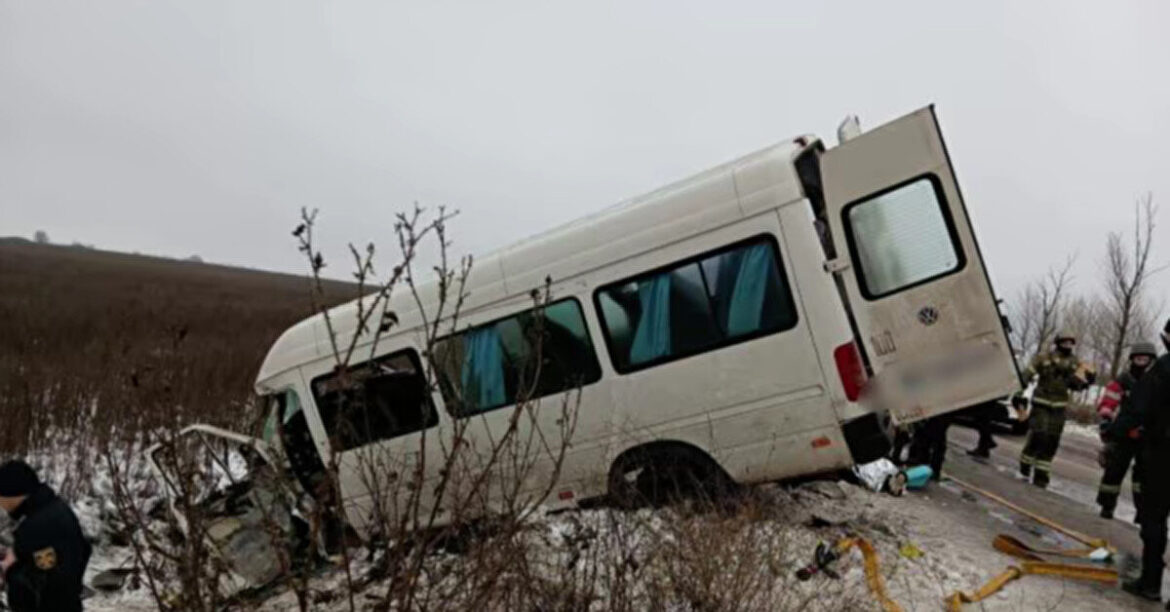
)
(1083, 317)
(1037, 311)
(1127, 268)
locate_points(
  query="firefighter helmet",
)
(1143, 348)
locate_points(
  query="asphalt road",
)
(1070, 500)
(1075, 473)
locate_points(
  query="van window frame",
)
(948, 220)
(763, 238)
(415, 358)
(447, 406)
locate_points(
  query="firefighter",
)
(1119, 448)
(1058, 373)
(44, 567)
(1151, 413)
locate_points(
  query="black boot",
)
(1106, 512)
(1025, 471)
(1142, 589)
(980, 453)
(1040, 479)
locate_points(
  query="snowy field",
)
(931, 543)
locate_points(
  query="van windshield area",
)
(378, 400)
(289, 423)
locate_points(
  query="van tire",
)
(666, 472)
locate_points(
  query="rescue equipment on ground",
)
(1032, 561)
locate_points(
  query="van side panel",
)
(709, 202)
(826, 320)
(755, 407)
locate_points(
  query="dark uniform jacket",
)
(51, 555)
(1152, 403)
(1149, 410)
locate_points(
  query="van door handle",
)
(834, 266)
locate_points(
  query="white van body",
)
(899, 295)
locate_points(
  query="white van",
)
(768, 317)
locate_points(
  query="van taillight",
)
(851, 371)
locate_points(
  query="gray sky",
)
(203, 126)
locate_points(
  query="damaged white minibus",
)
(768, 318)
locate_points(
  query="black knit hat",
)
(17, 478)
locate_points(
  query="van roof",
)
(742, 187)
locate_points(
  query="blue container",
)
(918, 476)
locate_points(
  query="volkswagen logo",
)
(928, 315)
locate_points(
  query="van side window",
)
(704, 303)
(495, 365)
(901, 238)
(377, 400)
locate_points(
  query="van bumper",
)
(869, 437)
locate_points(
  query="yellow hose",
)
(873, 576)
(1031, 561)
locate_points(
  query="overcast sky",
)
(202, 127)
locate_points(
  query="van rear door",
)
(912, 271)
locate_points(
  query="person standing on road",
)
(1059, 373)
(44, 568)
(929, 445)
(1121, 445)
(981, 415)
(1151, 402)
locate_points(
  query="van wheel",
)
(660, 475)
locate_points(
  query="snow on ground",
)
(955, 531)
(1081, 429)
(951, 532)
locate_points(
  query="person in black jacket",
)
(1122, 447)
(1151, 418)
(981, 415)
(44, 568)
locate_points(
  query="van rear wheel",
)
(661, 475)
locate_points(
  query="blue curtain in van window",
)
(746, 309)
(292, 405)
(652, 338)
(483, 370)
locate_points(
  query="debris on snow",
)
(878, 475)
(926, 548)
(112, 579)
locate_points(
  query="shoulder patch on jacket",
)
(45, 558)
